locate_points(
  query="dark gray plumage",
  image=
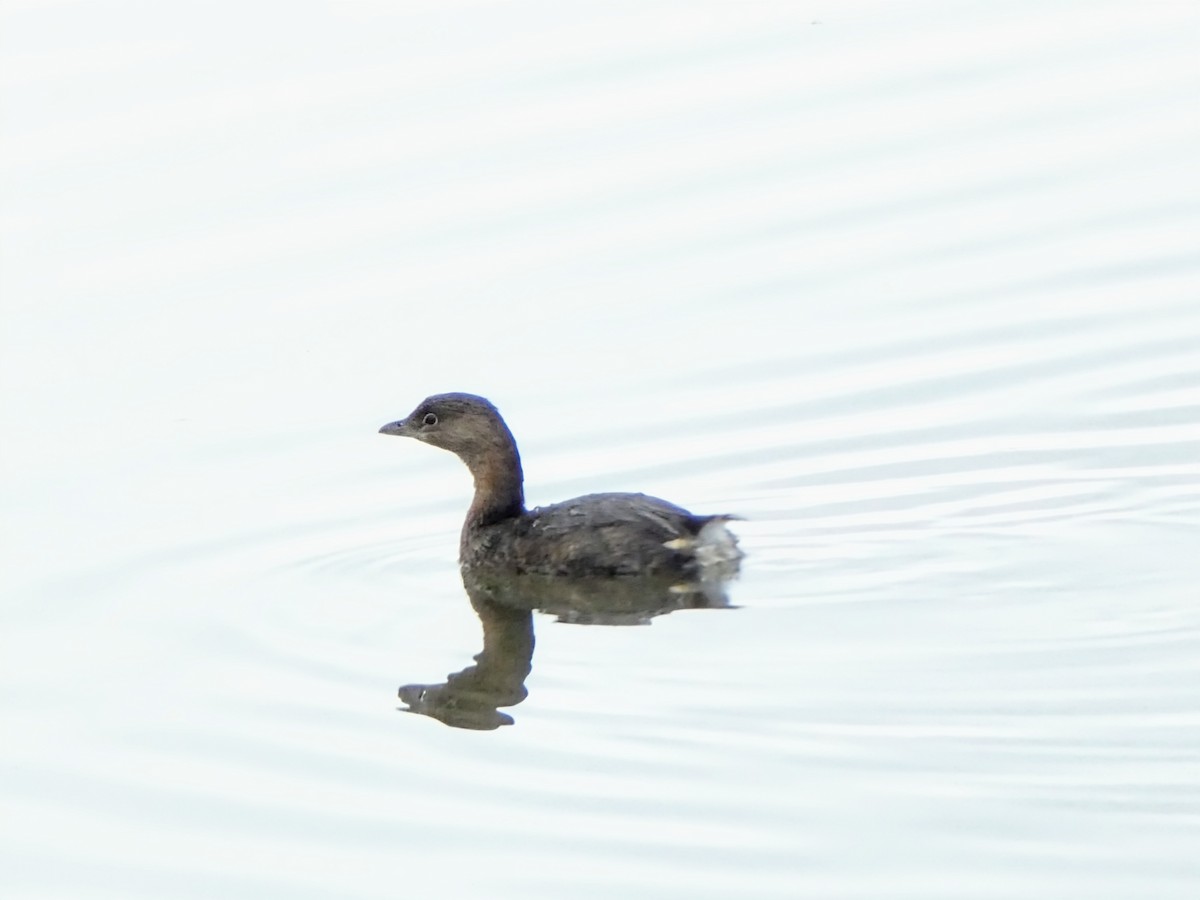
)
(597, 534)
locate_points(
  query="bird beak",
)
(396, 427)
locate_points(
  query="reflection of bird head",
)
(459, 708)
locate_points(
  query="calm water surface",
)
(913, 288)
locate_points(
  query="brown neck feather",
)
(499, 491)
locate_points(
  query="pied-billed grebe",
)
(599, 534)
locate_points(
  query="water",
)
(912, 287)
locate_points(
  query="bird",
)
(607, 534)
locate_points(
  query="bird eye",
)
(430, 419)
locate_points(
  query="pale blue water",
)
(914, 288)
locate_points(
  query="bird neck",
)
(499, 485)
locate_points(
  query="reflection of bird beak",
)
(396, 427)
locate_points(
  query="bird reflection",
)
(505, 604)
